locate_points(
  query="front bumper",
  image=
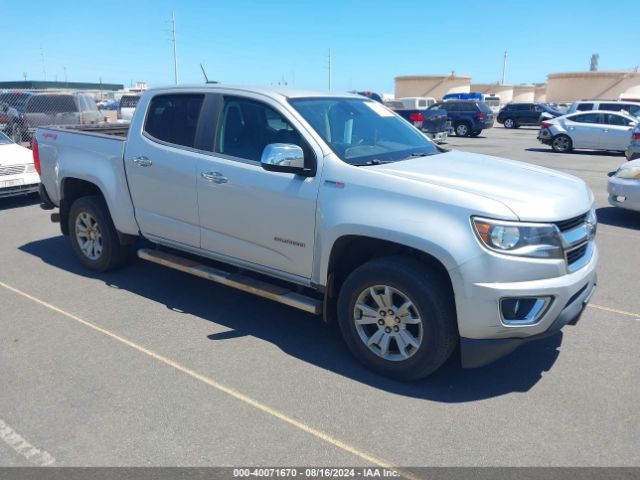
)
(632, 152)
(624, 193)
(480, 352)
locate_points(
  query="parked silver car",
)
(633, 150)
(624, 186)
(593, 130)
(44, 109)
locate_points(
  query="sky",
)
(265, 42)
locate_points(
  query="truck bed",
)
(118, 130)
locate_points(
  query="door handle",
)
(214, 177)
(605, 130)
(142, 161)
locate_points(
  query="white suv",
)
(633, 108)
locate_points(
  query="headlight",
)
(628, 172)
(539, 240)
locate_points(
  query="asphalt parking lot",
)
(149, 366)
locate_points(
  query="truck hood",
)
(533, 193)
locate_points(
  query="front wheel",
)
(398, 318)
(561, 143)
(475, 133)
(15, 133)
(93, 236)
(509, 123)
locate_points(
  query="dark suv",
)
(468, 118)
(514, 115)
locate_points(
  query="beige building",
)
(435, 86)
(540, 93)
(504, 91)
(524, 93)
(603, 85)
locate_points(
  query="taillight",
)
(480, 116)
(4, 118)
(416, 116)
(545, 124)
(636, 135)
(36, 154)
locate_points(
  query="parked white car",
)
(624, 186)
(17, 173)
(593, 130)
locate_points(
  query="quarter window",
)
(174, 118)
(584, 107)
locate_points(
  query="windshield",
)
(548, 108)
(363, 132)
(4, 140)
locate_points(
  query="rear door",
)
(585, 129)
(161, 164)
(247, 213)
(616, 134)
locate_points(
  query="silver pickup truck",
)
(333, 204)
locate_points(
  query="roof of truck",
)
(271, 91)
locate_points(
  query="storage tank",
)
(431, 85)
(524, 93)
(540, 93)
(602, 85)
(504, 91)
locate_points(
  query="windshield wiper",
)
(416, 155)
(375, 161)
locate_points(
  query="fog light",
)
(620, 198)
(523, 310)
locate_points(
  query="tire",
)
(510, 123)
(105, 253)
(561, 143)
(430, 320)
(462, 129)
(15, 134)
(475, 133)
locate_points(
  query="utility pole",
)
(65, 74)
(44, 64)
(175, 54)
(504, 66)
(329, 69)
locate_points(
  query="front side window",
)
(174, 118)
(362, 132)
(586, 118)
(247, 127)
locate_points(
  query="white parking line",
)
(330, 439)
(613, 310)
(16, 441)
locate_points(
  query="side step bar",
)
(234, 280)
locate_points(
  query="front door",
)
(161, 170)
(616, 133)
(247, 213)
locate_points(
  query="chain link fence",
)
(22, 111)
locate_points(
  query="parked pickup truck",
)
(332, 204)
(433, 123)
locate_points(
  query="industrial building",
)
(597, 85)
(504, 91)
(435, 86)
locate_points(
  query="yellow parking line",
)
(218, 386)
(613, 310)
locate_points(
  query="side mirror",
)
(284, 157)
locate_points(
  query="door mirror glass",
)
(284, 157)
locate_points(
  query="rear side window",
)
(174, 118)
(618, 120)
(584, 107)
(483, 107)
(52, 103)
(129, 101)
(586, 118)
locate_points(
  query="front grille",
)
(572, 223)
(575, 255)
(13, 170)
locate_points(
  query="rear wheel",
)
(15, 133)
(462, 129)
(509, 123)
(93, 236)
(398, 318)
(561, 143)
